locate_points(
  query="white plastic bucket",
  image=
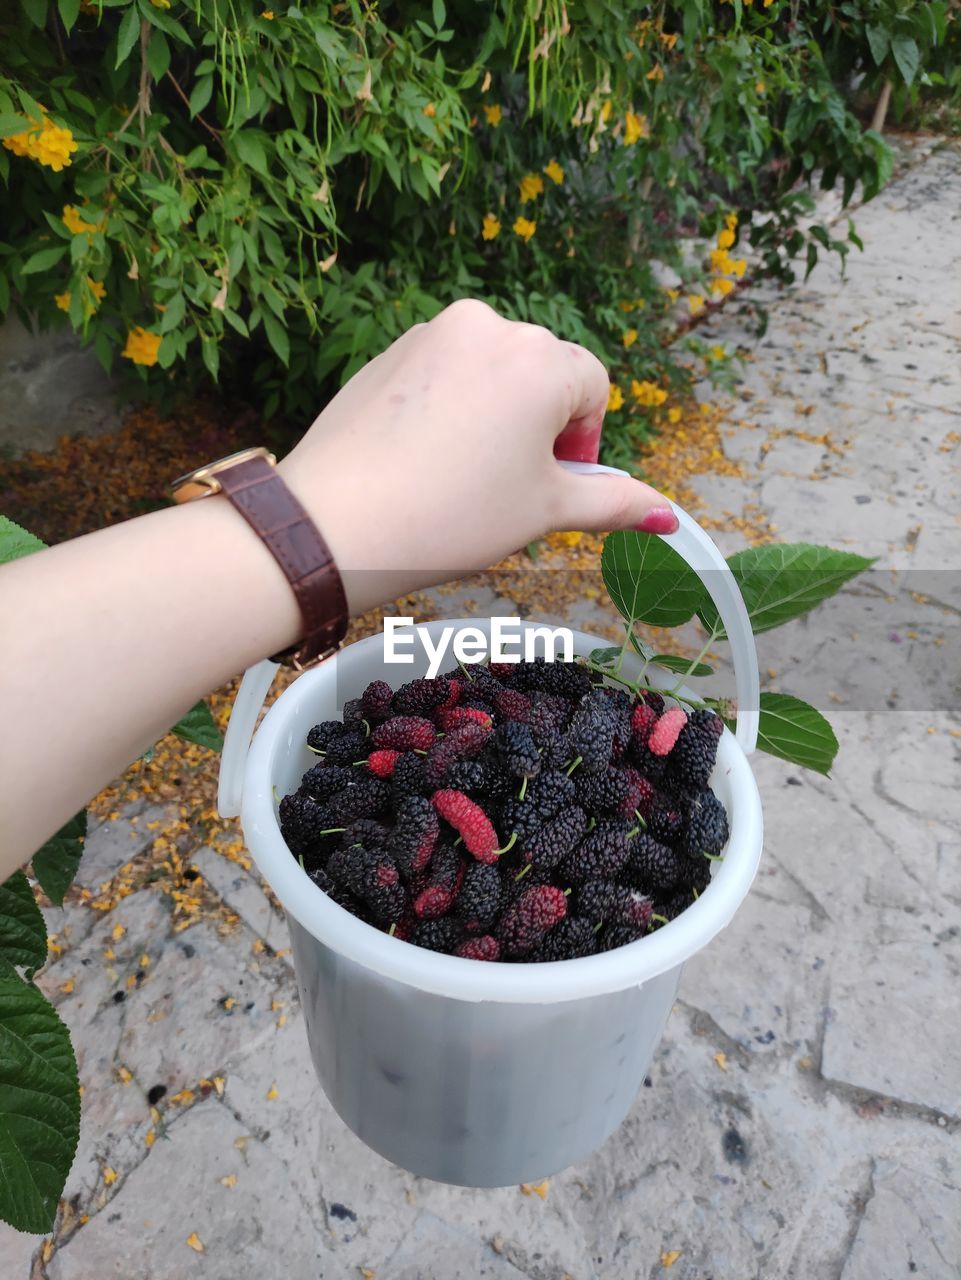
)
(465, 1071)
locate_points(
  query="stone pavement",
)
(803, 1110)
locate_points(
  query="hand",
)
(438, 457)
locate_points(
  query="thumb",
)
(602, 502)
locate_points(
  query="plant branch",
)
(214, 133)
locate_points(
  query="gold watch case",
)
(203, 482)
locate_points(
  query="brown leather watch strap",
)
(272, 511)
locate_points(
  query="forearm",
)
(108, 640)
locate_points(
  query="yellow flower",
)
(673, 294)
(73, 221)
(267, 15)
(737, 267)
(62, 300)
(768, 3)
(532, 185)
(719, 353)
(696, 303)
(656, 73)
(635, 127)
(722, 286)
(725, 239)
(606, 111)
(720, 261)
(730, 221)
(525, 228)
(97, 288)
(430, 110)
(554, 172)
(625, 304)
(493, 115)
(142, 346)
(491, 228)
(19, 143)
(615, 398)
(760, 87)
(668, 41)
(46, 143)
(648, 394)
(674, 415)
(629, 337)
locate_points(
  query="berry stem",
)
(276, 795)
(391, 930)
(301, 861)
(520, 874)
(366, 724)
(332, 831)
(459, 840)
(713, 857)
(574, 765)
(523, 790)
(316, 750)
(465, 671)
(659, 919)
(508, 846)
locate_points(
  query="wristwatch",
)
(249, 479)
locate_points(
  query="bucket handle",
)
(690, 541)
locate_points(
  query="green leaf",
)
(277, 337)
(55, 865)
(23, 933)
(69, 9)
(158, 55)
(534, 551)
(683, 666)
(16, 542)
(127, 35)
(605, 657)
(439, 13)
(648, 581)
(200, 94)
(250, 151)
(12, 122)
(907, 55)
(878, 43)
(783, 580)
(198, 726)
(795, 731)
(36, 11)
(43, 260)
(39, 1107)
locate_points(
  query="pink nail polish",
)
(659, 520)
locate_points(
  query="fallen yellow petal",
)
(668, 1259)
(118, 932)
(195, 1242)
(67, 987)
(721, 1060)
(219, 1085)
(109, 1176)
(272, 1093)
(150, 1137)
(230, 1180)
(536, 1188)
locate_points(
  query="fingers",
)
(604, 502)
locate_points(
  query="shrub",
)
(212, 189)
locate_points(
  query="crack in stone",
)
(703, 1024)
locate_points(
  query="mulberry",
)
(352, 745)
(453, 717)
(468, 776)
(479, 899)
(365, 831)
(695, 752)
(605, 791)
(414, 837)
(664, 820)
(654, 866)
(602, 853)
(563, 679)
(592, 732)
(437, 935)
(405, 733)
(572, 938)
(420, 697)
(365, 798)
(321, 735)
(302, 821)
(470, 822)
(333, 890)
(377, 701)
(353, 712)
(372, 877)
(446, 872)
(552, 842)
(324, 780)
(514, 743)
(605, 900)
(546, 796)
(511, 704)
(653, 699)
(619, 935)
(549, 715)
(643, 719)
(706, 830)
(462, 743)
(649, 765)
(502, 670)
(483, 948)
(525, 922)
(409, 777)
(667, 731)
(382, 763)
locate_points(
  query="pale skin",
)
(438, 458)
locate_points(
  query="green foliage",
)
(649, 583)
(271, 200)
(198, 726)
(56, 863)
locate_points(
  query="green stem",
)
(574, 765)
(659, 919)
(507, 847)
(520, 875)
(523, 791)
(332, 831)
(714, 857)
(695, 662)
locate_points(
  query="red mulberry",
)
(511, 704)
(376, 701)
(463, 743)
(482, 948)
(470, 822)
(381, 763)
(666, 732)
(525, 922)
(405, 733)
(443, 884)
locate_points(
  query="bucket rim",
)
(471, 980)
